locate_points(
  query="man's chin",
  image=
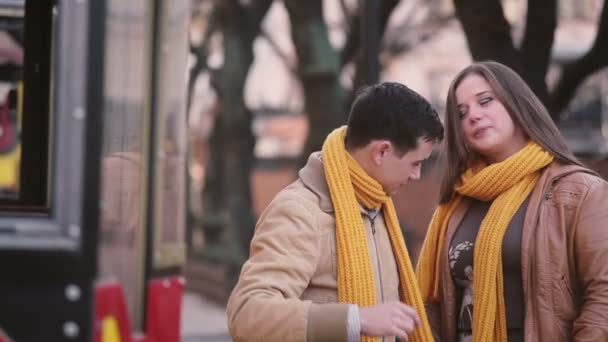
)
(394, 192)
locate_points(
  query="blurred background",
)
(269, 79)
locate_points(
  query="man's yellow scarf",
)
(508, 184)
(349, 186)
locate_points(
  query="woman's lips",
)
(478, 133)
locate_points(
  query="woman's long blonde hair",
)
(525, 109)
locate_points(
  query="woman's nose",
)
(475, 114)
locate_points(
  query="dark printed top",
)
(460, 254)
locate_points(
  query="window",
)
(25, 56)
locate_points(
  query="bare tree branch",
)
(349, 51)
(258, 10)
(406, 35)
(574, 74)
(277, 50)
(201, 52)
(535, 51)
(411, 14)
(346, 14)
(352, 41)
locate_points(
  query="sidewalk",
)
(203, 320)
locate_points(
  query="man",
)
(328, 261)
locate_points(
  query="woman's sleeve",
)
(591, 252)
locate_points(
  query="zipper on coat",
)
(378, 263)
(372, 214)
(527, 287)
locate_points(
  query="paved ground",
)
(203, 320)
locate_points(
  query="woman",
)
(518, 248)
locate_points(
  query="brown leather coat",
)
(564, 261)
(287, 290)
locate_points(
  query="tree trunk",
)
(228, 215)
(368, 64)
(373, 18)
(535, 51)
(487, 31)
(319, 71)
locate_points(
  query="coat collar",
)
(313, 177)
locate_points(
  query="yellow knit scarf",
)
(508, 184)
(350, 185)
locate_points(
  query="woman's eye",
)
(486, 100)
(462, 113)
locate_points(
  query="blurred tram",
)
(92, 169)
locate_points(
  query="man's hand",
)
(388, 319)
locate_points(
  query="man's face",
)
(393, 171)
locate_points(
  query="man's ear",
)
(379, 150)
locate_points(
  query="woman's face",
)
(486, 126)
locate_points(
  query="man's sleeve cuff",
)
(354, 323)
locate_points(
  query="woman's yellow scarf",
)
(508, 184)
(349, 186)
